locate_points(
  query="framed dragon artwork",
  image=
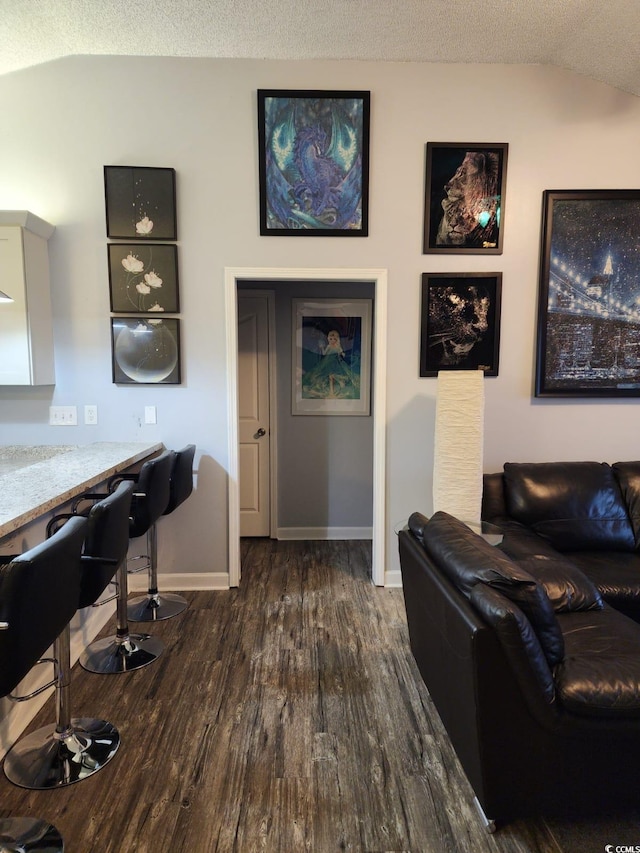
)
(313, 163)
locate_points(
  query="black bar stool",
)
(123, 652)
(39, 594)
(154, 606)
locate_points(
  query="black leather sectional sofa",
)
(531, 649)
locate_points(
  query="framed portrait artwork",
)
(313, 163)
(145, 350)
(464, 198)
(331, 357)
(460, 322)
(143, 279)
(588, 339)
(140, 203)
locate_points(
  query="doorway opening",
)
(378, 278)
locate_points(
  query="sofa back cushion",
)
(576, 506)
(467, 560)
(568, 589)
(628, 477)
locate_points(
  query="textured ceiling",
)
(600, 40)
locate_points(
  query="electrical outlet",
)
(63, 415)
(150, 415)
(91, 415)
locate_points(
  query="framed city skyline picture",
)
(460, 322)
(313, 163)
(465, 185)
(331, 357)
(588, 336)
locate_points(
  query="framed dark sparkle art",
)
(460, 325)
(313, 163)
(464, 203)
(588, 339)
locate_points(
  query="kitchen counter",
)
(35, 480)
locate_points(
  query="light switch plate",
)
(63, 415)
(150, 416)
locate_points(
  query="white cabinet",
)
(26, 328)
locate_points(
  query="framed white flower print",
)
(140, 203)
(143, 279)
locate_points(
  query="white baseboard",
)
(16, 716)
(393, 579)
(175, 582)
(295, 533)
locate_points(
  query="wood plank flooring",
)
(284, 716)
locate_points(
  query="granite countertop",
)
(37, 479)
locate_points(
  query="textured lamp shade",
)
(458, 446)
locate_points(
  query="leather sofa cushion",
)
(600, 673)
(574, 505)
(467, 560)
(519, 642)
(616, 574)
(628, 477)
(567, 587)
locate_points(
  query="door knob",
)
(261, 432)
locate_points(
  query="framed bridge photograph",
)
(588, 337)
(313, 163)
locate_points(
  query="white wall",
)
(61, 122)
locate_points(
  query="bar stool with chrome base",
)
(155, 606)
(126, 651)
(39, 593)
(29, 834)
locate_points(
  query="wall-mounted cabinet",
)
(26, 328)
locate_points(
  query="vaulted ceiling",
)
(600, 40)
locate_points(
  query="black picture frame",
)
(143, 278)
(465, 186)
(145, 350)
(140, 203)
(460, 322)
(313, 162)
(588, 332)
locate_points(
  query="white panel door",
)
(253, 410)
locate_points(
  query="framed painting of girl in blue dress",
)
(331, 357)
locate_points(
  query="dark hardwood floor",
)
(286, 715)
